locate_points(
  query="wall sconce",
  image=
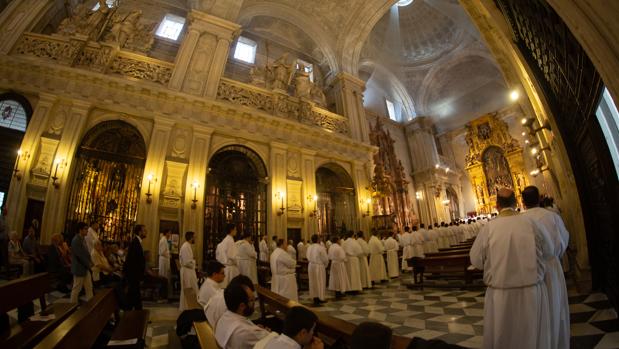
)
(368, 201)
(20, 155)
(280, 195)
(57, 164)
(195, 186)
(535, 151)
(419, 195)
(546, 126)
(539, 170)
(446, 202)
(150, 178)
(314, 198)
(527, 122)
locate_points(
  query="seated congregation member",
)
(102, 270)
(154, 281)
(246, 258)
(234, 330)
(338, 275)
(371, 335)
(215, 275)
(116, 257)
(32, 249)
(216, 306)
(57, 265)
(284, 281)
(297, 332)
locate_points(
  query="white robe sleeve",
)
(479, 249)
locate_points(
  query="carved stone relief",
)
(174, 183)
(294, 168)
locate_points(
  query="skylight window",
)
(171, 27)
(245, 50)
(403, 3)
(391, 110)
(110, 4)
(309, 68)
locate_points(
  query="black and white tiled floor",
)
(448, 314)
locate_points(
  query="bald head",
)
(505, 198)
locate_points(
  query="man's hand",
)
(316, 343)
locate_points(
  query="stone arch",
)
(337, 199)
(399, 88)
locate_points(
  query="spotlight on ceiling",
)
(514, 95)
(403, 3)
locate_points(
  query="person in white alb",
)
(234, 330)
(297, 331)
(377, 262)
(272, 245)
(391, 246)
(554, 279)
(164, 255)
(212, 284)
(226, 253)
(264, 249)
(353, 251)
(302, 250)
(406, 242)
(189, 278)
(216, 306)
(93, 236)
(364, 267)
(246, 258)
(338, 278)
(291, 250)
(316, 269)
(512, 250)
(417, 243)
(283, 271)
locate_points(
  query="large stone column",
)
(360, 176)
(277, 221)
(308, 168)
(348, 91)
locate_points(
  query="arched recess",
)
(107, 176)
(453, 204)
(15, 111)
(496, 170)
(235, 192)
(336, 206)
(398, 89)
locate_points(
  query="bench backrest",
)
(18, 292)
(191, 299)
(83, 327)
(206, 336)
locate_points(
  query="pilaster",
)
(18, 17)
(348, 91)
(277, 219)
(308, 173)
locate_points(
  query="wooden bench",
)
(204, 331)
(264, 273)
(328, 328)
(82, 328)
(449, 265)
(17, 293)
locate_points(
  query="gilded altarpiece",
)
(494, 160)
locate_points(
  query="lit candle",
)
(57, 162)
(195, 189)
(16, 169)
(150, 178)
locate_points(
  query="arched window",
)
(13, 115)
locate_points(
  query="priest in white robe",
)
(554, 278)
(302, 250)
(417, 243)
(188, 268)
(366, 277)
(512, 250)
(215, 275)
(391, 246)
(338, 278)
(283, 271)
(316, 269)
(377, 261)
(406, 241)
(353, 251)
(264, 249)
(291, 250)
(164, 255)
(226, 254)
(246, 258)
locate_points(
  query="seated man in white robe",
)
(215, 275)
(226, 253)
(366, 277)
(189, 279)
(391, 246)
(316, 270)
(234, 330)
(283, 271)
(353, 251)
(246, 258)
(338, 278)
(297, 331)
(512, 250)
(264, 249)
(377, 262)
(554, 278)
(216, 306)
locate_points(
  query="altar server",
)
(226, 254)
(377, 262)
(353, 251)
(284, 281)
(246, 258)
(391, 246)
(316, 270)
(338, 278)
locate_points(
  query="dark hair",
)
(137, 228)
(246, 235)
(504, 202)
(297, 319)
(242, 280)
(274, 238)
(414, 228)
(189, 235)
(407, 228)
(335, 239)
(280, 242)
(315, 238)
(371, 335)
(213, 267)
(230, 227)
(360, 234)
(421, 225)
(235, 295)
(81, 225)
(530, 196)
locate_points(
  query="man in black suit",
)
(135, 265)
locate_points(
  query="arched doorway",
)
(108, 171)
(453, 204)
(235, 193)
(15, 111)
(336, 200)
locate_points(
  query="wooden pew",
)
(447, 264)
(264, 273)
(81, 329)
(20, 292)
(204, 331)
(328, 327)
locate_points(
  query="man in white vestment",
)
(391, 246)
(188, 269)
(272, 245)
(215, 275)
(226, 253)
(264, 249)
(366, 277)
(338, 278)
(353, 251)
(92, 236)
(216, 306)
(316, 269)
(417, 242)
(302, 249)
(554, 278)
(164, 255)
(297, 331)
(512, 250)
(406, 241)
(283, 271)
(291, 250)
(377, 262)
(234, 330)
(246, 258)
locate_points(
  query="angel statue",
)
(282, 73)
(124, 29)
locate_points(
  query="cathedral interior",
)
(292, 118)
